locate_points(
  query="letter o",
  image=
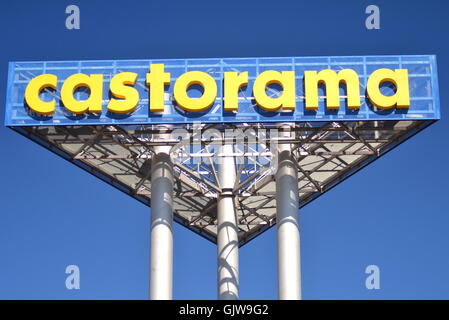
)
(188, 79)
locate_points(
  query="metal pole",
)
(287, 199)
(161, 274)
(227, 238)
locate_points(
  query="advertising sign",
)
(222, 90)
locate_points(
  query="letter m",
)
(332, 81)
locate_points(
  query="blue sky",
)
(394, 213)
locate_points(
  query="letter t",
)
(156, 80)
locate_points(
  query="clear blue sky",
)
(394, 213)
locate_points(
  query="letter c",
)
(33, 90)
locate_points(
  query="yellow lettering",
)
(125, 97)
(401, 99)
(120, 88)
(287, 100)
(157, 79)
(332, 80)
(33, 90)
(195, 104)
(93, 104)
(233, 81)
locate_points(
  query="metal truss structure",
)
(326, 153)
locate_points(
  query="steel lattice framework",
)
(326, 153)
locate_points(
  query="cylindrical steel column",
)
(287, 200)
(227, 238)
(161, 274)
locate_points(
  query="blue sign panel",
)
(422, 81)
